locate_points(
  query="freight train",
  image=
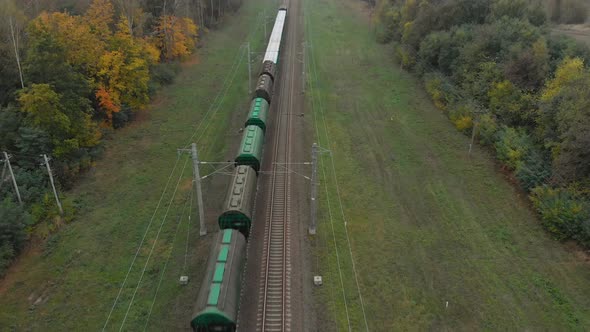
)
(217, 303)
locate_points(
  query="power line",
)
(180, 219)
(327, 134)
(223, 90)
(153, 245)
(140, 245)
(328, 197)
(225, 87)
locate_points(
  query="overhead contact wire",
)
(180, 219)
(154, 244)
(327, 135)
(327, 193)
(140, 244)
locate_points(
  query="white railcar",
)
(274, 44)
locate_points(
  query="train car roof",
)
(274, 43)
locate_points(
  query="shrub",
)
(535, 169)
(512, 146)
(487, 128)
(13, 222)
(164, 73)
(442, 92)
(47, 212)
(407, 56)
(563, 212)
(462, 117)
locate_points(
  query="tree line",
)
(501, 76)
(73, 72)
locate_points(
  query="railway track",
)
(274, 312)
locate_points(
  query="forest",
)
(502, 77)
(72, 73)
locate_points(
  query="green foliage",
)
(512, 145)
(164, 73)
(511, 105)
(494, 65)
(529, 68)
(44, 110)
(564, 120)
(441, 91)
(519, 9)
(9, 73)
(10, 121)
(13, 221)
(535, 169)
(478, 80)
(563, 212)
(462, 116)
(46, 212)
(487, 128)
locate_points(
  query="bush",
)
(512, 146)
(47, 212)
(387, 20)
(563, 213)
(442, 92)
(164, 73)
(462, 117)
(406, 56)
(13, 223)
(487, 129)
(535, 169)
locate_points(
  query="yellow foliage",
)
(407, 30)
(82, 48)
(463, 122)
(151, 51)
(175, 37)
(125, 78)
(433, 87)
(100, 16)
(568, 71)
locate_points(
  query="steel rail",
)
(275, 310)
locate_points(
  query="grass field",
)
(70, 282)
(440, 241)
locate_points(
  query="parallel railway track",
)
(274, 312)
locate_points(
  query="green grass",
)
(427, 224)
(71, 281)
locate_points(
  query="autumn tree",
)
(55, 84)
(564, 120)
(81, 47)
(44, 109)
(175, 36)
(100, 18)
(124, 73)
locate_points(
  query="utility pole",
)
(197, 182)
(314, 183)
(249, 69)
(61, 211)
(7, 161)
